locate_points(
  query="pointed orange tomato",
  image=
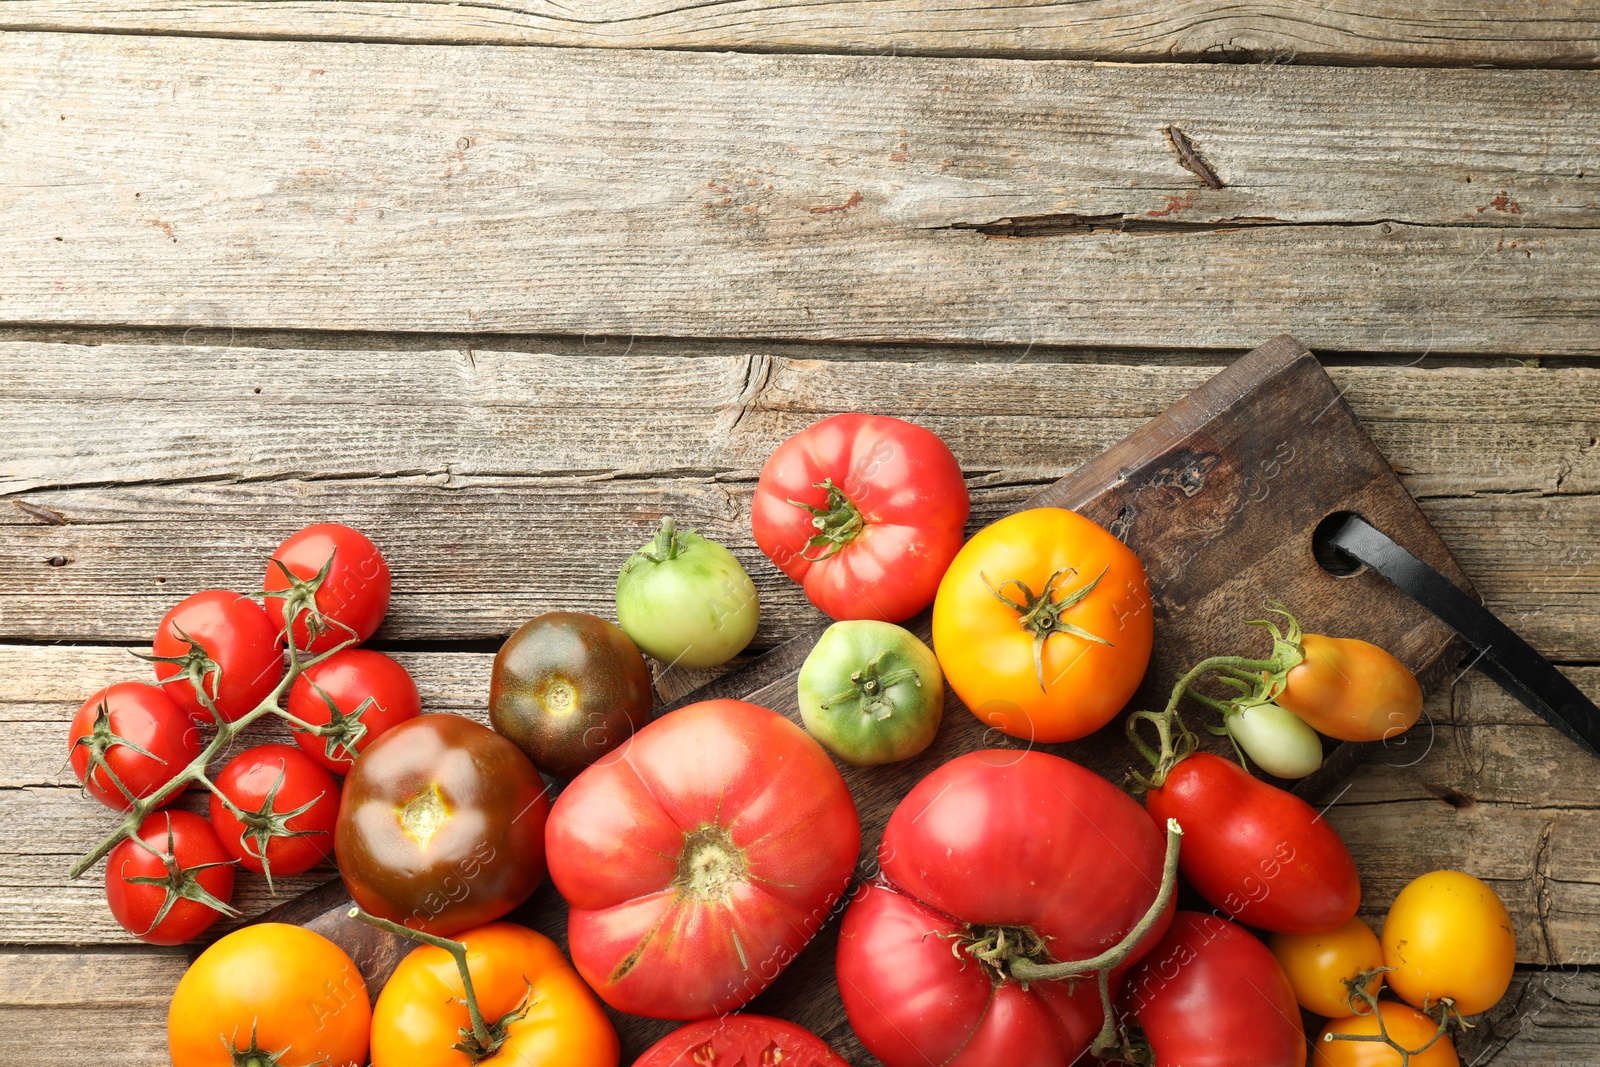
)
(1043, 625)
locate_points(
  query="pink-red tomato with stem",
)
(170, 881)
(865, 512)
(284, 806)
(366, 691)
(333, 581)
(130, 739)
(996, 855)
(752, 1040)
(1211, 995)
(699, 857)
(225, 642)
(1259, 853)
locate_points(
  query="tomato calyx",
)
(178, 882)
(664, 546)
(265, 823)
(871, 684)
(196, 665)
(255, 1055)
(101, 739)
(1022, 960)
(1040, 614)
(300, 598)
(838, 522)
(341, 732)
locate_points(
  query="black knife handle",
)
(1503, 656)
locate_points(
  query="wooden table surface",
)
(501, 284)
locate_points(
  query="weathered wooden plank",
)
(1551, 34)
(187, 181)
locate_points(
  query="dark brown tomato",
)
(441, 826)
(568, 688)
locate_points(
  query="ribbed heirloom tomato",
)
(1043, 625)
(997, 861)
(865, 512)
(700, 857)
(743, 1039)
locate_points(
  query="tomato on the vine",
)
(1257, 852)
(1344, 687)
(865, 512)
(333, 581)
(270, 993)
(1405, 1025)
(700, 857)
(171, 880)
(280, 809)
(536, 1009)
(1211, 995)
(361, 693)
(1321, 966)
(1449, 935)
(1043, 625)
(442, 825)
(752, 1040)
(997, 861)
(224, 642)
(129, 740)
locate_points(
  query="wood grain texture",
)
(188, 181)
(1488, 32)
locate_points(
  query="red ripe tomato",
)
(171, 880)
(333, 581)
(131, 739)
(995, 856)
(1211, 995)
(699, 857)
(366, 691)
(1262, 855)
(865, 512)
(284, 807)
(225, 642)
(752, 1040)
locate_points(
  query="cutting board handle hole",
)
(1329, 557)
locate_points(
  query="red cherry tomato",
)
(227, 643)
(369, 693)
(287, 805)
(1211, 995)
(752, 1040)
(349, 600)
(134, 734)
(699, 857)
(1257, 852)
(171, 880)
(996, 855)
(865, 512)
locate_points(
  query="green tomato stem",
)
(480, 1029)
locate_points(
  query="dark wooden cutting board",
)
(1220, 497)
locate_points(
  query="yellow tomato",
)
(1318, 965)
(1406, 1025)
(1448, 935)
(1043, 625)
(274, 988)
(422, 1012)
(1352, 690)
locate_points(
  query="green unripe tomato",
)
(1277, 739)
(871, 692)
(686, 601)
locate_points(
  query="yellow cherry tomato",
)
(1352, 690)
(422, 1012)
(1043, 625)
(1318, 965)
(1449, 935)
(1406, 1025)
(274, 989)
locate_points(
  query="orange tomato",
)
(1318, 965)
(1043, 625)
(422, 1012)
(1449, 935)
(1406, 1025)
(1352, 690)
(273, 988)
